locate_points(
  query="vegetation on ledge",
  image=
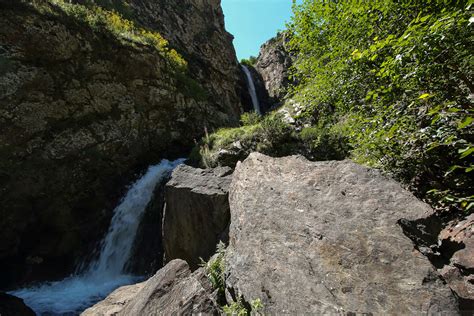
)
(110, 20)
(271, 135)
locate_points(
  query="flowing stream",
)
(78, 292)
(252, 91)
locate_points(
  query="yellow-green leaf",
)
(424, 96)
(466, 122)
(466, 151)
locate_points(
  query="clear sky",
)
(253, 22)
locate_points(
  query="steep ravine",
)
(89, 106)
(83, 108)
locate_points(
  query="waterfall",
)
(102, 276)
(252, 91)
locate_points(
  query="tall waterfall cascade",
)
(102, 276)
(252, 90)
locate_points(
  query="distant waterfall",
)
(252, 91)
(104, 275)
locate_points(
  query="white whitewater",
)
(252, 91)
(101, 277)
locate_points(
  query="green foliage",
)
(240, 308)
(251, 61)
(269, 135)
(121, 6)
(398, 87)
(235, 309)
(324, 143)
(215, 269)
(250, 118)
(102, 18)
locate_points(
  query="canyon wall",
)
(86, 102)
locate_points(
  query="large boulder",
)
(84, 106)
(323, 238)
(174, 290)
(196, 215)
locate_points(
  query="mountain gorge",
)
(332, 174)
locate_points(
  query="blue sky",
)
(253, 22)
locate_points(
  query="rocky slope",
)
(312, 237)
(83, 107)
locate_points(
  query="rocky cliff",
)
(273, 66)
(87, 99)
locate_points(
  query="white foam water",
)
(75, 293)
(252, 90)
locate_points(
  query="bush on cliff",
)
(398, 87)
(270, 135)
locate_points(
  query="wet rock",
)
(13, 306)
(197, 214)
(173, 290)
(324, 238)
(147, 251)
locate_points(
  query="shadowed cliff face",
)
(82, 110)
(273, 65)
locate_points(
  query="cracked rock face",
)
(323, 237)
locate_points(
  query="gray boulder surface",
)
(174, 290)
(197, 214)
(323, 238)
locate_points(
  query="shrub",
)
(400, 83)
(251, 61)
(215, 269)
(269, 135)
(324, 143)
(250, 118)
